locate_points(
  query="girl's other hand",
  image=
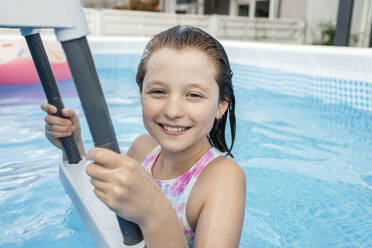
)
(124, 185)
(57, 127)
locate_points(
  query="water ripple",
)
(19, 174)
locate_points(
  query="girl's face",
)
(180, 98)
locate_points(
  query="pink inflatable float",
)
(17, 67)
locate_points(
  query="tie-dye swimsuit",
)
(178, 189)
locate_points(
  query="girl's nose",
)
(174, 109)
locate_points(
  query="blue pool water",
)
(308, 165)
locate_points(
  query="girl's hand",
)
(57, 127)
(124, 185)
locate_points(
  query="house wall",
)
(293, 9)
(322, 11)
(358, 24)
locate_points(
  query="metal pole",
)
(95, 108)
(49, 84)
(344, 16)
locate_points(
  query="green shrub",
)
(327, 34)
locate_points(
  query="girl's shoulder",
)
(219, 191)
(141, 147)
(223, 176)
(223, 168)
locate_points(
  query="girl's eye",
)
(157, 92)
(194, 95)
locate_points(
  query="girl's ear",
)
(222, 107)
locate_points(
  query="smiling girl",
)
(174, 182)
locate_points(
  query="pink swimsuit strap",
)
(178, 189)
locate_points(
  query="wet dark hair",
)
(181, 37)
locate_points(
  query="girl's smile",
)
(173, 130)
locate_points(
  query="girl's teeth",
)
(174, 129)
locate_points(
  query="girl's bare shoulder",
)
(219, 197)
(141, 147)
(224, 176)
(223, 168)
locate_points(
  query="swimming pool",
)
(307, 162)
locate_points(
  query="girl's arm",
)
(163, 229)
(221, 218)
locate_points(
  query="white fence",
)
(108, 22)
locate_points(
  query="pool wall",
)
(340, 75)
